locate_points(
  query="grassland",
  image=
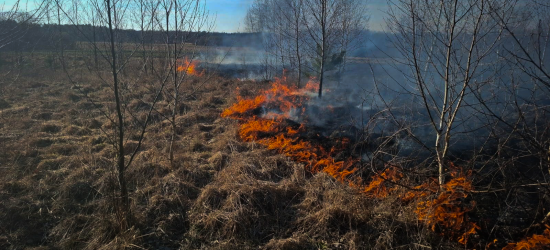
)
(57, 170)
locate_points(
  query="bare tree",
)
(353, 26)
(112, 17)
(292, 11)
(265, 17)
(528, 29)
(312, 34)
(182, 21)
(321, 21)
(445, 44)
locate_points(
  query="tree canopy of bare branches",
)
(309, 37)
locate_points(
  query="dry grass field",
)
(58, 176)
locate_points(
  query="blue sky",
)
(230, 14)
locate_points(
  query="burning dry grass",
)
(533, 242)
(282, 102)
(260, 181)
(189, 66)
(263, 120)
(443, 208)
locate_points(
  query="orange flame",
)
(312, 85)
(378, 186)
(268, 128)
(189, 67)
(270, 131)
(534, 242)
(446, 211)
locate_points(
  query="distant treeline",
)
(52, 36)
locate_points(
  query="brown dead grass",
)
(58, 180)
